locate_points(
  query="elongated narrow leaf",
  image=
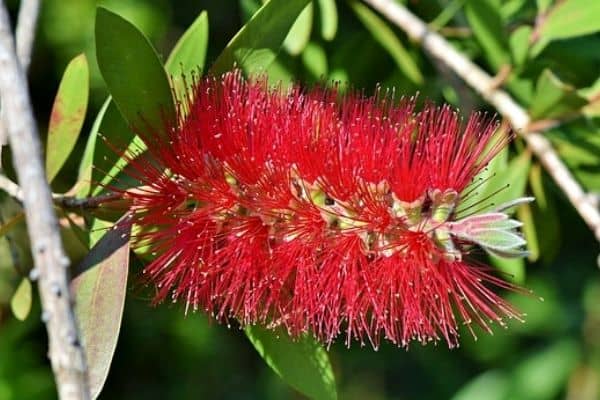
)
(256, 45)
(68, 114)
(519, 44)
(20, 302)
(133, 73)
(554, 98)
(302, 364)
(189, 54)
(84, 174)
(299, 34)
(108, 158)
(486, 21)
(99, 286)
(568, 19)
(329, 18)
(384, 35)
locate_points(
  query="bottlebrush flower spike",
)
(325, 216)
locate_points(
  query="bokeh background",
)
(163, 355)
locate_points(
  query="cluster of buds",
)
(322, 213)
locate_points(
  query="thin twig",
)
(64, 201)
(483, 83)
(50, 261)
(25, 33)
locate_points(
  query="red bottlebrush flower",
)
(297, 209)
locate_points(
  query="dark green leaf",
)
(329, 18)
(189, 54)
(386, 37)
(20, 303)
(485, 20)
(553, 98)
(303, 364)
(99, 287)
(568, 19)
(256, 45)
(133, 73)
(68, 114)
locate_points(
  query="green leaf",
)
(545, 217)
(549, 368)
(68, 114)
(108, 160)
(448, 12)
(525, 214)
(486, 21)
(388, 40)
(189, 54)
(11, 223)
(133, 73)
(256, 45)
(20, 303)
(519, 44)
(568, 19)
(99, 288)
(487, 181)
(553, 98)
(303, 364)
(299, 34)
(543, 5)
(314, 59)
(84, 175)
(329, 18)
(513, 268)
(491, 385)
(511, 182)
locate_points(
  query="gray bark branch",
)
(50, 262)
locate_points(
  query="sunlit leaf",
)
(554, 98)
(20, 303)
(303, 364)
(314, 59)
(568, 19)
(491, 385)
(256, 45)
(67, 116)
(84, 175)
(99, 288)
(329, 18)
(543, 5)
(386, 37)
(189, 54)
(519, 44)
(133, 73)
(299, 34)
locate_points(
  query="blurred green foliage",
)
(554, 71)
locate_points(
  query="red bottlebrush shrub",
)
(322, 215)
